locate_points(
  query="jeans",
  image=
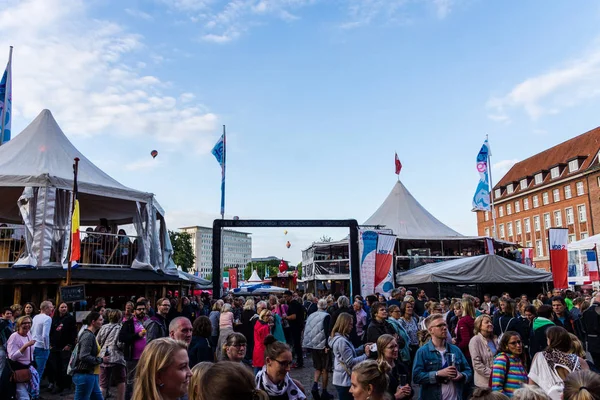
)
(87, 387)
(22, 393)
(343, 392)
(41, 357)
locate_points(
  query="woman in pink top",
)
(20, 353)
(225, 328)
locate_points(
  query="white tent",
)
(407, 218)
(36, 180)
(260, 288)
(585, 244)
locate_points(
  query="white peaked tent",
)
(36, 180)
(254, 278)
(407, 218)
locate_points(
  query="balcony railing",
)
(12, 245)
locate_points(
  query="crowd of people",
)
(373, 348)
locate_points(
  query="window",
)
(547, 223)
(556, 195)
(582, 213)
(584, 235)
(598, 181)
(539, 250)
(554, 173)
(487, 215)
(517, 206)
(518, 227)
(527, 244)
(501, 211)
(539, 178)
(545, 198)
(568, 192)
(571, 238)
(510, 189)
(557, 219)
(487, 232)
(508, 209)
(569, 215)
(573, 165)
(536, 223)
(579, 187)
(523, 184)
(502, 230)
(525, 204)
(509, 229)
(536, 201)
(497, 193)
(527, 223)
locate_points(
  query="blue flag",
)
(219, 152)
(6, 102)
(481, 199)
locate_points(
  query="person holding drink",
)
(440, 367)
(397, 372)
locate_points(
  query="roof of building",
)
(210, 229)
(584, 147)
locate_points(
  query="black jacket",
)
(127, 336)
(63, 332)
(200, 350)
(568, 324)
(377, 329)
(591, 324)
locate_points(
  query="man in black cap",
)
(295, 316)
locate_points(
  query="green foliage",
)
(325, 239)
(183, 253)
(299, 267)
(271, 266)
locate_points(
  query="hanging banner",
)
(592, 265)
(225, 279)
(481, 199)
(384, 264)
(233, 278)
(559, 257)
(367, 246)
(489, 246)
(527, 257)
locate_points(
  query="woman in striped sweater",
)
(508, 371)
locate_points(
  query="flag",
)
(219, 152)
(592, 264)
(75, 237)
(559, 258)
(481, 199)
(384, 263)
(6, 101)
(398, 165)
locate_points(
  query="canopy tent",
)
(407, 218)
(254, 278)
(585, 244)
(474, 270)
(200, 283)
(36, 180)
(260, 288)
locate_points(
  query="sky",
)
(317, 95)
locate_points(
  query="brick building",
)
(559, 187)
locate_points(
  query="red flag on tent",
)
(398, 165)
(559, 257)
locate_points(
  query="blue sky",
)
(316, 95)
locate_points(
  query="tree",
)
(299, 269)
(325, 239)
(271, 267)
(183, 252)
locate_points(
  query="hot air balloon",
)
(288, 244)
(285, 232)
(154, 153)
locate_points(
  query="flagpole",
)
(74, 198)
(8, 89)
(223, 177)
(491, 188)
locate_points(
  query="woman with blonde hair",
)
(398, 373)
(163, 371)
(465, 327)
(196, 380)
(225, 327)
(482, 348)
(230, 381)
(262, 329)
(19, 351)
(582, 385)
(369, 380)
(530, 392)
(214, 316)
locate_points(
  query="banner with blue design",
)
(481, 199)
(219, 152)
(6, 102)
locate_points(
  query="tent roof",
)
(42, 155)
(407, 218)
(585, 244)
(254, 277)
(478, 269)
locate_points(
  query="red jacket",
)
(261, 331)
(464, 333)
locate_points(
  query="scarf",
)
(555, 357)
(287, 386)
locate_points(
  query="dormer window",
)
(509, 189)
(497, 193)
(555, 172)
(573, 165)
(539, 178)
(523, 184)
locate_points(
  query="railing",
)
(404, 263)
(107, 250)
(12, 245)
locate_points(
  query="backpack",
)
(501, 330)
(4, 332)
(73, 361)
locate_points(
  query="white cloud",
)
(576, 81)
(139, 14)
(76, 66)
(500, 168)
(145, 164)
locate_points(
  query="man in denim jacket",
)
(432, 369)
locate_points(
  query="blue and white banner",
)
(481, 200)
(6, 102)
(219, 152)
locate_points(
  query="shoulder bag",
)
(22, 375)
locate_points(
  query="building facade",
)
(559, 187)
(237, 249)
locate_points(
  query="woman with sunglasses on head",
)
(274, 378)
(508, 370)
